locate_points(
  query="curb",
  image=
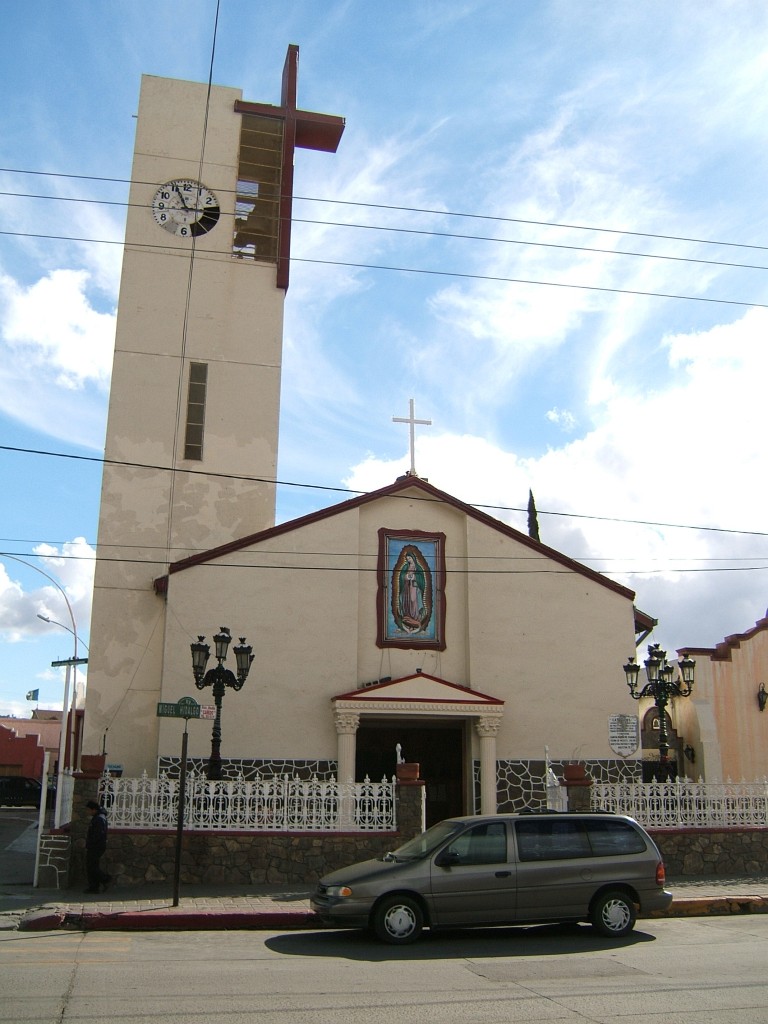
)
(42, 921)
(713, 906)
(196, 920)
(169, 920)
(175, 919)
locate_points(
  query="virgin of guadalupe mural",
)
(410, 597)
(411, 589)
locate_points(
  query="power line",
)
(451, 235)
(503, 571)
(743, 303)
(464, 558)
(101, 460)
(528, 281)
(422, 210)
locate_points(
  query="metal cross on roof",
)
(412, 421)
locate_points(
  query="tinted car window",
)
(608, 838)
(551, 839)
(483, 844)
(424, 844)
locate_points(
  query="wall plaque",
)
(623, 734)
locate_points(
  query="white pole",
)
(41, 815)
(62, 747)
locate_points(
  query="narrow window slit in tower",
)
(193, 439)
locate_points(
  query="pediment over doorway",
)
(416, 694)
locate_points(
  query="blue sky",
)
(534, 175)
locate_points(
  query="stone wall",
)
(234, 858)
(138, 856)
(238, 858)
(706, 852)
(53, 869)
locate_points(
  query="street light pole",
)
(53, 622)
(219, 679)
(662, 687)
(68, 710)
(73, 661)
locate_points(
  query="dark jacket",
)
(96, 837)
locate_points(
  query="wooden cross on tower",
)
(302, 128)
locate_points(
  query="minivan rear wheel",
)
(398, 920)
(613, 914)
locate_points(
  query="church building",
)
(401, 624)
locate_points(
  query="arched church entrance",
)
(439, 747)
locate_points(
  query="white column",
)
(347, 723)
(487, 729)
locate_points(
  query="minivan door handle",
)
(503, 874)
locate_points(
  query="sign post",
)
(186, 708)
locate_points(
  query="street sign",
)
(185, 707)
(208, 711)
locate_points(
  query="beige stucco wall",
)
(180, 301)
(542, 637)
(722, 717)
(550, 643)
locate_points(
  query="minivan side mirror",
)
(447, 857)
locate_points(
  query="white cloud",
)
(691, 453)
(56, 354)
(52, 326)
(564, 419)
(69, 569)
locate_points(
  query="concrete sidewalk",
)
(151, 907)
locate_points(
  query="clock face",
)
(185, 207)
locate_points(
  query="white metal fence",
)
(686, 804)
(279, 804)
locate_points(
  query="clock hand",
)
(181, 197)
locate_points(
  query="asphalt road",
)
(18, 840)
(702, 970)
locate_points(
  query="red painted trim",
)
(321, 132)
(192, 833)
(403, 483)
(288, 102)
(425, 700)
(302, 128)
(724, 650)
(377, 687)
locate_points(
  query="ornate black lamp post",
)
(662, 686)
(219, 678)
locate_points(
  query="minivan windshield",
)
(427, 842)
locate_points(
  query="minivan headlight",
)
(338, 890)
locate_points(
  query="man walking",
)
(95, 846)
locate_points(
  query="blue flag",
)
(33, 695)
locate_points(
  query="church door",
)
(437, 747)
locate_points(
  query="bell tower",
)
(192, 434)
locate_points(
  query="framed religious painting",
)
(410, 601)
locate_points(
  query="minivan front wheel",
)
(613, 914)
(398, 920)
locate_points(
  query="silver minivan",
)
(499, 870)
